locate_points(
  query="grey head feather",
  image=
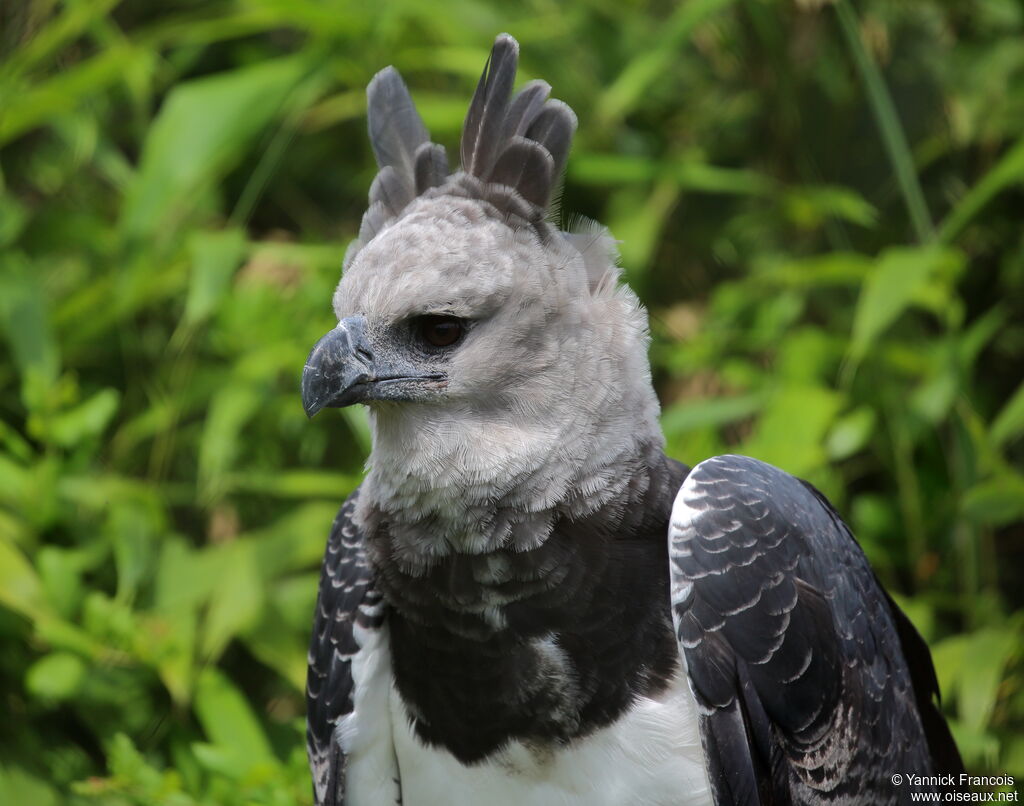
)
(391, 189)
(375, 219)
(431, 167)
(396, 129)
(598, 249)
(409, 163)
(526, 166)
(525, 107)
(553, 128)
(489, 107)
(497, 131)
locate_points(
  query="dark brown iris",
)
(440, 331)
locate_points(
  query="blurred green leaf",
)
(19, 584)
(185, 576)
(987, 653)
(134, 534)
(687, 173)
(18, 786)
(231, 408)
(133, 779)
(55, 677)
(1008, 171)
(229, 722)
(648, 66)
(294, 484)
(1014, 757)
(850, 433)
(25, 322)
(64, 92)
(167, 641)
(934, 398)
(892, 287)
(60, 571)
(1009, 423)
(296, 540)
(791, 432)
(921, 615)
(236, 601)
(359, 422)
(201, 130)
(57, 32)
(637, 218)
(977, 747)
(808, 207)
(816, 271)
(13, 217)
(888, 121)
(215, 256)
(997, 501)
(88, 419)
(693, 414)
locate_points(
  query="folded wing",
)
(347, 605)
(813, 687)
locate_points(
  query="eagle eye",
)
(440, 331)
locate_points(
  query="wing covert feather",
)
(794, 652)
(346, 598)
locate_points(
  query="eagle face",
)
(462, 309)
(486, 349)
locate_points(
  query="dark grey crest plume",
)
(513, 150)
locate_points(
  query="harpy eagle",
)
(526, 601)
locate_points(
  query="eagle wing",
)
(813, 687)
(348, 608)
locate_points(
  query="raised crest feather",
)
(526, 166)
(513, 149)
(489, 107)
(392, 190)
(396, 130)
(524, 107)
(431, 167)
(553, 128)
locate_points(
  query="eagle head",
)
(495, 351)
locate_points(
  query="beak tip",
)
(311, 402)
(311, 411)
(335, 365)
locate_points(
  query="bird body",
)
(526, 601)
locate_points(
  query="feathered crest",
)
(513, 149)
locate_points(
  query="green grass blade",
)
(1008, 171)
(888, 124)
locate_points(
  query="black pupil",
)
(441, 331)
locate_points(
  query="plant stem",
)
(888, 125)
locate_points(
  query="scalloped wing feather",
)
(794, 651)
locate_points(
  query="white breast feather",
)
(651, 756)
(365, 734)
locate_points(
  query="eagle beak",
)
(338, 368)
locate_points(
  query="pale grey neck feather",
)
(499, 487)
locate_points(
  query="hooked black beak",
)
(342, 369)
(337, 367)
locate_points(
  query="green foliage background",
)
(820, 203)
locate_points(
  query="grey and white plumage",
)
(798, 658)
(526, 601)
